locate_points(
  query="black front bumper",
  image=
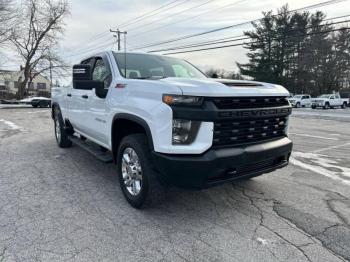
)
(220, 165)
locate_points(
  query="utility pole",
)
(118, 33)
(50, 68)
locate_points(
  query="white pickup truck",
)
(163, 123)
(300, 101)
(330, 101)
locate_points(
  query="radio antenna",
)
(125, 33)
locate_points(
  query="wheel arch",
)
(130, 124)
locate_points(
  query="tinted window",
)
(102, 73)
(143, 66)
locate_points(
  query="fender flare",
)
(136, 119)
(53, 106)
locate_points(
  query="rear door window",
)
(101, 72)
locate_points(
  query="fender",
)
(137, 120)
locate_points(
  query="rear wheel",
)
(61, 135)
(137, 176)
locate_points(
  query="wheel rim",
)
(57, 130)
(131, 171)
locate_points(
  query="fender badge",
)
(120, 85)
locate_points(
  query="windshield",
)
(143, 66)
(325, 96)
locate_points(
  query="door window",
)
(102, 73)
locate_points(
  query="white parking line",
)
(330, 148)
(322, 165)
(11, 125)
(312, 136)
(39, 111)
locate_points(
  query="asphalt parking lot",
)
(64, 205)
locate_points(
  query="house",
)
(40, 86)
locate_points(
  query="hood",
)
(225, 87)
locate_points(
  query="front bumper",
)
(317, 104)
(220, 165)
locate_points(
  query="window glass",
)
(102, 73)
(41, 85)
(155, 66)
(332, 97)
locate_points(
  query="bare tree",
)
(7, 16)
(36, 35)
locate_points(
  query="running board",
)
(93, 149)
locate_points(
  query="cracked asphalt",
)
(64, 205)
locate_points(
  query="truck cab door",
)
(78, 103)
(332, 101)
(337, 100)
(97, 110)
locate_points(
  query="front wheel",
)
(137, 176)
(297, 105)
(326, 106)
(344, 105)
(61, 135)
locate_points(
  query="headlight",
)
(182, 100)
(184, 131)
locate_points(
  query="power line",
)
(105, 33)
(238, 38)
(92, 48)
(189, 18)
(149, 14)
(175, 14)
(240, 44)
(330, 2)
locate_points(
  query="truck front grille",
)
(249, 102)
(245, 131)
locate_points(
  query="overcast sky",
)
(88, 24)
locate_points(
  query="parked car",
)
(330, 101)
(37, 101)
(9, 102)
(300, 101)
(163, 122)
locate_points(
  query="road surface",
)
(64, 205)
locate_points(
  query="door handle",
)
(70, 95)
(85, 96)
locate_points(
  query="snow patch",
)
(262, 241)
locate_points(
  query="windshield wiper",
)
(150, 77)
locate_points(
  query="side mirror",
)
(82, 77)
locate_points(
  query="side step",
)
(93, 149)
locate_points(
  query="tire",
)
(326, 106)
(144, 190)
(313, 107)
(297, 105)
(35, 106)
(344, 105)
(61, 135)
